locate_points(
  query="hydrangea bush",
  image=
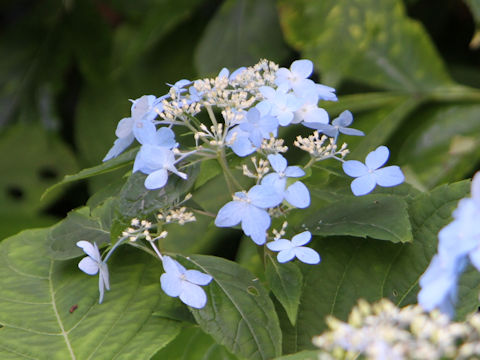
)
(249, 157)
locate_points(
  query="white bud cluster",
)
(180, 216)
(278, 234)
(382, 330)
(273, 146)
(138, 229)
(261, 168)
(314, 145)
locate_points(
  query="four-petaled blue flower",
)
(288, 250)
(339, 125)
(296, 194)
(180, 282)
(249, 209)
(93, 264)
(371, 174)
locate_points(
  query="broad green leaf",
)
(370, 41)
(302, 355)
(49, 309)
(240, 34)
(377, 216)
(286, 282)
(148, 22)
(78, 225)
(10, 224)
(208, 170)
(353, 268)
(194, 344)
(239, 313)
(445, 146)
(135, 200)
(111, 165)
(33, 160)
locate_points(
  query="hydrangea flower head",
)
(249, 210)
(290, 249)
(371, 173)
(259, 127)
(93, 264)
(180, 282)
(279, 103)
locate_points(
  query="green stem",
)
(232, 183)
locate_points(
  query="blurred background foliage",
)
(408, 70)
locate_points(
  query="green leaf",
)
(194, 344)
(148, 22)
(33, 159)
(353, 268)
(78, 225)
(286, 282)
(383, 217)
(445, 145)
(240, 34)
(239, 313)
(49, 309)
(121, 161)
(302, 355)
(371, 41)
(137, 201)
(208, 170)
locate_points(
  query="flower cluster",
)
(247, 110)
(383, 331)
(459, 244)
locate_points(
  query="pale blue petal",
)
(354, 168)
(145, 132)
(286, 255)
(172, 266)
(101, 288)
(302, 238)
(264, 196)
(282, 76)
(171, 284)
(88, 266)
(242, 145)
(156, 179)
(278, 183)
(119, 146)
(363, 185)
(268, 126)
(197, 277)
(326, 92)
(230, 214)
(255, 223)
(223, 73)
(352, 132)
(124, 127)
(285, 118)
(279, 245)
(89, 249)
(294, 171)
(377, 158)
(105, 275)
(193, 295)
(302, 68)
(389, 176)
(165, 137)
(278, 162)
(327, 129)
(307, 255)
(298, 195)
(267, 91)
(317, 115)
(345, 119)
